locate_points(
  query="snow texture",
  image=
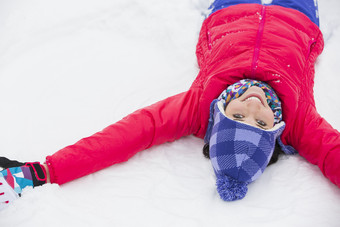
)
(69, 68)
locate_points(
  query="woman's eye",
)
(238, 116)
(262, 123)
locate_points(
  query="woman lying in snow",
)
(253, 95)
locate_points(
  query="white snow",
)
(69, 68)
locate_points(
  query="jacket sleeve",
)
(318, 142)
(161, 122)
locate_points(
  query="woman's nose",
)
(254, 105)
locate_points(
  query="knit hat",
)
(239, 152)
(239, 88)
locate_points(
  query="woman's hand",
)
(7, 194)
(16, 176)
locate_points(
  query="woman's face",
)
(251, 108)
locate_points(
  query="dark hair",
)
(274, 158)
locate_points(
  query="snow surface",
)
(69, 68)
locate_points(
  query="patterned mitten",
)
(16, 176)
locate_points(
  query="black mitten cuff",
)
(38, 173)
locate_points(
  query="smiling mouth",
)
(254, 97)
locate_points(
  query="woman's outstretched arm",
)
(317, 141)
(161, 122)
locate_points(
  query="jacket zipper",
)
(258, 41)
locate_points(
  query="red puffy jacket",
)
(268, 43)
